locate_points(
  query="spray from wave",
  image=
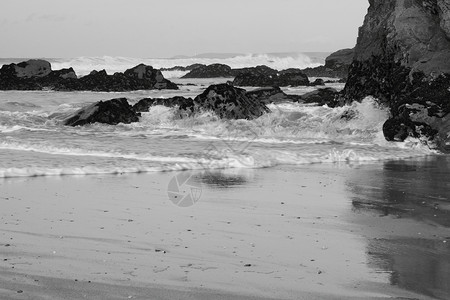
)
(84, 65)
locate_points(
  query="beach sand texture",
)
(327, 231)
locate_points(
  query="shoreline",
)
(265, 233)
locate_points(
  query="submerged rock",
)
(402, 57)
(111, 112)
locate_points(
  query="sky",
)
(165, 28)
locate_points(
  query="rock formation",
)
(210, 71)
(271, 95)
(336, 65)
(322, 96)
(225, 100)
(402, 57)
(38, 75)
(185, 104)
(181, 68)
(262, 76)
(111, 112)
(230, 102)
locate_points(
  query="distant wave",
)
(84, 65)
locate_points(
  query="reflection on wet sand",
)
(419, 189)
(225, 178)
(420, 265)
(414, 190)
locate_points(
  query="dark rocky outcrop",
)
(402, 58)
(225, 100)
(181, 68)
(38, 75)
(318, 81)
(262, 76)
(336, 65)
(340, 60)
(272, 95)
(141, 77)
(210, 71)
(229, 102)
(322, 96)
(183, 103)
(111, 112)
(32, 68)
(64, 74)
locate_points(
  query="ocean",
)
(34, 141)
(305, 200)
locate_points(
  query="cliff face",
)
(402, 57)
(414, 32)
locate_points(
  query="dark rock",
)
(271, 95)
(340, 60)
(37, 75)
(210, 71)
(146, 75)
(336, 65)
(111, 112)
(264, 76)
(181, 68)
(318, 81)
(32, 68)
(322, 96)
(64, 74)
(258, 71)
(183, 103)
(229, 102)
(402, 58)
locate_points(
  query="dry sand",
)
(312, 232)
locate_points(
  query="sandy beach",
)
(327, 231)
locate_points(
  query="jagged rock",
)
(225, 100)
(402, 57)
(37, 75)
(271, 95)
(336, 65)
(149, 75)
(322, 96)
(210, 71)
(111, 112)
(264, 76)
(64, 73)
(229, 102)
(183, 103)
(181, 68)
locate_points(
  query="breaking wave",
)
(84, 65)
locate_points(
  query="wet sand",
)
(371, 231)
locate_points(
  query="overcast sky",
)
(164, 28)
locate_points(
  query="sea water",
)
(34, 141)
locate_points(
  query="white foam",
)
(84, 65)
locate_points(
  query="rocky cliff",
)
(402, 57)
